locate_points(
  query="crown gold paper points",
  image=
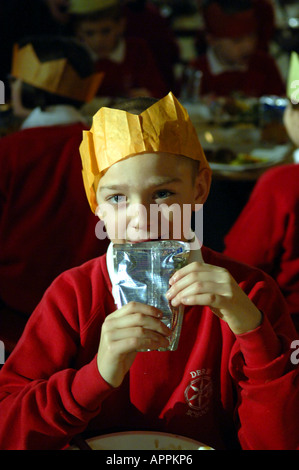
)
(116, 134)
(55, 76)
(293, 79)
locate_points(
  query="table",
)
(231, 187)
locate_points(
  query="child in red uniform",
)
(233, 379)
(128, 63)
(231, 63)
(144, 20)
(46, 226)
(266, 233)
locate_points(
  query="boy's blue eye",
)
(163, 193)
(117, 199)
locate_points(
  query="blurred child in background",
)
(232, 63)
(128, 63)
(266, 233)
(145, 21)
(45, 224)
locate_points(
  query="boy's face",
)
(101, 36)
(234, 52)
(131, 191)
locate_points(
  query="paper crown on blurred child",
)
(293, 79)
(54, 76)
(116, 134)
(79, 7)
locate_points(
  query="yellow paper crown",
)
(79, 7)
(293, 79)
(115, 135)
(55, 76)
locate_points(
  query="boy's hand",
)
(204, 284)
(133, 327)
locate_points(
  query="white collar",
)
(118, 54)
(216, 67)
(296, 156)
(195, 255)
(53, 115)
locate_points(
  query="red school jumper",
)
(262, 77)
(46, 225)
(137, 69)
(217, 388)
(266, 234)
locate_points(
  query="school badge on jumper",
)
(198, 393)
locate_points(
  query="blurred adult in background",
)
(128, 63)
(144, 20)
(232, 63)
(46, 226)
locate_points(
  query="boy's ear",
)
(202, 185)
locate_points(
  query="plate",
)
(266, 157)
(136, 440)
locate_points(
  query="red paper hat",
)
(224, 25)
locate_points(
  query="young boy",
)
(231, 63)
(46, 225)
(129, 66)
(232, 380)
(267, 231)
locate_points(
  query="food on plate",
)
(178, 446)
(234, 109)
(229, 157)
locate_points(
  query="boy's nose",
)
(139, 216)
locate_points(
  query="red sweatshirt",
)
(217, 388)
(266, 233)
(46, 225)
(138, 69)
(262, 77)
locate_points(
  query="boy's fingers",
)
(202, 281)
(139, 333)
(192, 268)
(134, 344)
(138, 321)
(137, 307)
(199, 289)
(211, 300)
